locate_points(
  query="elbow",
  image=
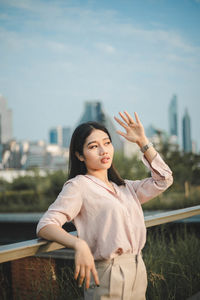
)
(39, 232)
(42, 231)
(165, 183)
(169, 181)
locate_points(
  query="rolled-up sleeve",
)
(161, 178)
(65, 208)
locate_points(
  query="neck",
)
(103, 175)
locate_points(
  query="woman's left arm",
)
(161, 179)
(135, 133)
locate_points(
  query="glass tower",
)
(6, 121)
(187, 141)
(93, 111)
(173, 117)
(53, 136)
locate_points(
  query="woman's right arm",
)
(84, 261)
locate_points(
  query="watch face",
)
(146, 147)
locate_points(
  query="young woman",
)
(106, 211)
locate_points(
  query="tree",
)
(129, 168)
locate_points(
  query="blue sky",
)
(132, 55)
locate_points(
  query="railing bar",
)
(177, 211)
(38, 246)
(35, 243)
(161, 220)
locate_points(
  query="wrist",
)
(79, 244)
(146, 147)
(142, 142)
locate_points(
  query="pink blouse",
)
(111, 223)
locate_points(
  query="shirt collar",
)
(102, 183)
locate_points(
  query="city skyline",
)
(94, 111)
(132, 55)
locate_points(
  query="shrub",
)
(23, 201)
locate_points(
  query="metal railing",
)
(38, 246)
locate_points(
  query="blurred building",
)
(130, 149)
(60, 136)
(31, 155)
(161, 139)
(173, 120)
(66, 136)
(187, 141)
(173, 116)
(93, 111)
(56, 158)
(5, 121)
(34, 156)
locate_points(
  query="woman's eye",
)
(94, 146)
(107, 143)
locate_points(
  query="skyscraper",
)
(187, 141)
(5, 121)
(66, 136)
(60, 136)
(53, 136)
(93, 111)
(173, 117)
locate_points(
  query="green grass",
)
(173, 263)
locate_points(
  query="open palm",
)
(134, 129)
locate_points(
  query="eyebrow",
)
(107, 138)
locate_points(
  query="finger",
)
(95, 275)
(82, 275)
(130, 119)
(137, 118)
(124, 118)
(87, 278)
(121, 133)
(120, 122)
(76, 272)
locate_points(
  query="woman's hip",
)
(119, 279)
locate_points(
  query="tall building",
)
(173, 117)
(60, 136)
(53, 136)
(93, 111)
(5, 121)
(66, 136)
(187, 141)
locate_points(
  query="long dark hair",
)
(77, 167)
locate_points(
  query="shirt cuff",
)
(158, 167)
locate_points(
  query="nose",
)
(102, 150)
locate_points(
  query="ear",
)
(80, 157)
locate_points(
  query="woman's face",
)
(97, 151)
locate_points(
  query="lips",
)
(105, 160)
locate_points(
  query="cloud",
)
(57, 47)
(69, 21)
(35, 6)
(105, 48)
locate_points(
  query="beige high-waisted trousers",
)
(121, 278)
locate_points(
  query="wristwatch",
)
(146, 147)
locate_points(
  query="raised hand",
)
(134, 129)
